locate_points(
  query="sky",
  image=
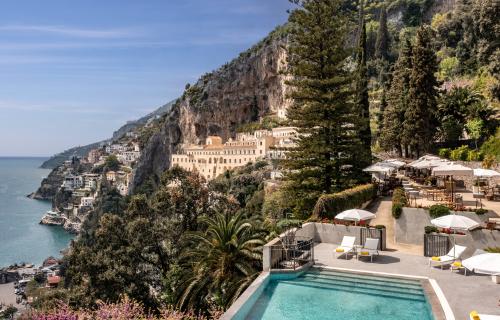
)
(72, 72)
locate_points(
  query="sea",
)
(22, 238)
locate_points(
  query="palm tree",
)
(225, 259)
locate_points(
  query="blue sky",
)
(71, 72)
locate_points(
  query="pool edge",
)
(440, 308)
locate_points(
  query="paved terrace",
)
(464, 293)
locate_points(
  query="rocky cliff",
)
(239, 92)
(49, 186)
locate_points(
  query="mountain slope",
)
(82, 151)
(239, 92)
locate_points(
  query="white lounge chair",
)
(370, 249)
(452, 256)
(346, 247)
(477, 316)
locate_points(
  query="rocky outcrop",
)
(239, 92)
(53, 220)
(50, 185)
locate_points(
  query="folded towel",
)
(474, 315)
(339, 250)
(436, 259)
(364, 253)
(457, 264)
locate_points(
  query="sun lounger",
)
(370, 249)
(449, 258)
(476, 316)
(346, 247)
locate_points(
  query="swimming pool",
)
(329, 294)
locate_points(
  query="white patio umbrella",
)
(486, 173)
(488, 263)
(423, 158)
(355, 215)
(430, 163)
(378, 168)
(452, 169)
(455, 222)
(395, 162)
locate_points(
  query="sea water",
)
(22, 238)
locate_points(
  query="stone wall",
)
(409, 229)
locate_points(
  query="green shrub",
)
(480, 211)
(397, 210)
(460, 153)
(329, 205)
(438, 210)
(444, 152)
(398, 202)
(491, 147)
(379, 226)
(430, 229)
(474, 155)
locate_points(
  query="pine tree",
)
(397, 101)
(323, 108)
(382, 42)
(419, 126)
(362, 102)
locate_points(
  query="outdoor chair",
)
(346, 247)
(476, 316)
(370, 249)
(452, 256)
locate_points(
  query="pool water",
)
(328, 294)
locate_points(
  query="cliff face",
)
(239, 92)
(49, 186)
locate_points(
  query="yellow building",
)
(215, 157)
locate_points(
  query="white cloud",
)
(71, 32)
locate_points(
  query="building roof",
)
(53, 280)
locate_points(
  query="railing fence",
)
(436, 245)
(375, 234)
(292, 255)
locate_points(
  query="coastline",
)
(23, 238)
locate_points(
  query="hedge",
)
(398, 202)
(329, 205)
(438, 210)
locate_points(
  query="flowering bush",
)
(126, 309)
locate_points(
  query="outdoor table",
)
(479, 196)
(413, 194)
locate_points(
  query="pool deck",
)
(463, 293)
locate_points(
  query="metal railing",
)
(436, 245)
(292, 255)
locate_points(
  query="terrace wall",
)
(409, 229)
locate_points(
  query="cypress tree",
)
(419, 125)
(397, 101)
(362, 102)
(382, 42)
(323, 108)
(380, 114)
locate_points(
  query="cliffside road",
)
(382, 208)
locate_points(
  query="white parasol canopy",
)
(376, 168)
(452, 170)
(486, 173)
(395, 162)
(488, 263)
(429, 164)
(355, 215)
(424, 158)
(454, 221)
